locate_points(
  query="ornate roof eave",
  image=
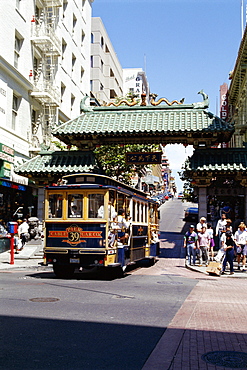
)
(216, 161)
(180, 123)
(239, 71)
(48, 166)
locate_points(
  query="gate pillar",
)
(202, 202)
(41, 203)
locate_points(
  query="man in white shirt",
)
(23, 230)
(201, 224)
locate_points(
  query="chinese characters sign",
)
(143, 158)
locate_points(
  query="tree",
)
(112, 160)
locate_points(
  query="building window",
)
(102, 66)
(91, 85)
(82, 36)
(106, 49)
(72, 100)
(74, 22)
(65, 4)
(64, 45)
(15, 107)
(73, 61)
(112, 94)
(92, 38)
(18, 45)
(18, 4)
(101, 87)
(91, 61)
(63, 87)
(111, 73)
(102, 41)
(82, 73)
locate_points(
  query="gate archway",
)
(160, 122)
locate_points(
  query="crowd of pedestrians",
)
(222, 244)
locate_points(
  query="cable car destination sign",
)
(143, 157)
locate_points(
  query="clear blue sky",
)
(188, 45)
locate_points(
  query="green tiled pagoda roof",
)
(153, 124)
(59, 163)
(217, 160)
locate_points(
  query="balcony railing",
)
(45, 38)
(46, 92)
(49, 3)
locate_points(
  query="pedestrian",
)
(240, 238)
(220, 228)
(23, 230)
(190, 242)
(123, 226)
(201, 224)
(210, 233)
(203, 242)
(229, 244)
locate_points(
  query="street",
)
(88, 323)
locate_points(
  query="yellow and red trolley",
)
(82, 228)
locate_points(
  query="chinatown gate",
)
(217, 175)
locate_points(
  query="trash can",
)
(12, 227)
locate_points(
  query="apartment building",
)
(44, 74)
(106, 81)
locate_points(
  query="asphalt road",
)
(89, 323)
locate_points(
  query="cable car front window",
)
(75, 205)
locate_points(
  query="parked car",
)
(191, 214)
(180, 195)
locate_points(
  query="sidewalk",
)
(30, 256)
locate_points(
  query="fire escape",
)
(46, 50)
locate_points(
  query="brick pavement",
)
(212, 318)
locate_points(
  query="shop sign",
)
(12, 186)
(6, 153)
(5, 170)
(143, 158)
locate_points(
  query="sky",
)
(183, 46)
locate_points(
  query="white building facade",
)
(44, 74)
(106, 71)
(135, 83)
